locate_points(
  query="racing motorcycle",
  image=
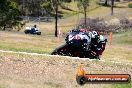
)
(32, 31)
(75, 46)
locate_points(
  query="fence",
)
(39, 19)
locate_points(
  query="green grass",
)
(2, 87)
(46, 44)
(25, 49)
(28, 43)
(124, 38)
(129, 85)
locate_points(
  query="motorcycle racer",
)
(98, 43)
(82, 43)
(92, 39)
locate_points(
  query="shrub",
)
(100, 24)
(130, 5)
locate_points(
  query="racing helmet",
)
(35, 26)
(94, 34)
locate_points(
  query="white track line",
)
(74, 58)
(5, 51)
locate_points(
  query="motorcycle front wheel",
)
(26, 31)
(62, 50)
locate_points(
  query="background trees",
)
(12, 10)
(47, 8)
(10, 13)
(84, 4)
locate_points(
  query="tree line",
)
(11, 10)
(9, 14)
(38, 7)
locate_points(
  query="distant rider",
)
(34, 29)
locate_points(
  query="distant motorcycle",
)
(32, 31)
(76, 47)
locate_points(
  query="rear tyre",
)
(94, 56)
(39, 33)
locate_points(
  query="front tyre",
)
(62, 50)
(26, 31)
